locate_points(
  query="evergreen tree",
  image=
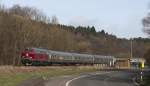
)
(93, 29)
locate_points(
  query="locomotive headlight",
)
(27, 54)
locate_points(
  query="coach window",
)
(68, 58)
(57, 57)
(77, 58)
(50, 56)
(53, 56)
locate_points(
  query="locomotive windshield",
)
(28, 49)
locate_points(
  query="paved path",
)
(95, 79)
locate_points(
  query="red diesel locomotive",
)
(33, 56)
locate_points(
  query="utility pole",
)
(131, 51)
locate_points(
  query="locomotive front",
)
(27, 56)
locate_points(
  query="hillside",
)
(22, 27)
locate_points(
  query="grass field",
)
(147, 81)
(11, 76)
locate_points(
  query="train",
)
(38, 56)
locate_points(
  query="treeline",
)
(22, 27)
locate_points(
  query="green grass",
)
(147, 81)
(13, 79)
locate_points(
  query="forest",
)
(23, 27)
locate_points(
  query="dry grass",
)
(12, 75)
(26, 69)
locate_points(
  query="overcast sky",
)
(119, 17)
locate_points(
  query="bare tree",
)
(54, 20)
(146, 24)
(3, 8)
(29, 12)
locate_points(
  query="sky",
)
(118, 17)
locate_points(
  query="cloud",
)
(82, 21)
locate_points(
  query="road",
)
(117, 78)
